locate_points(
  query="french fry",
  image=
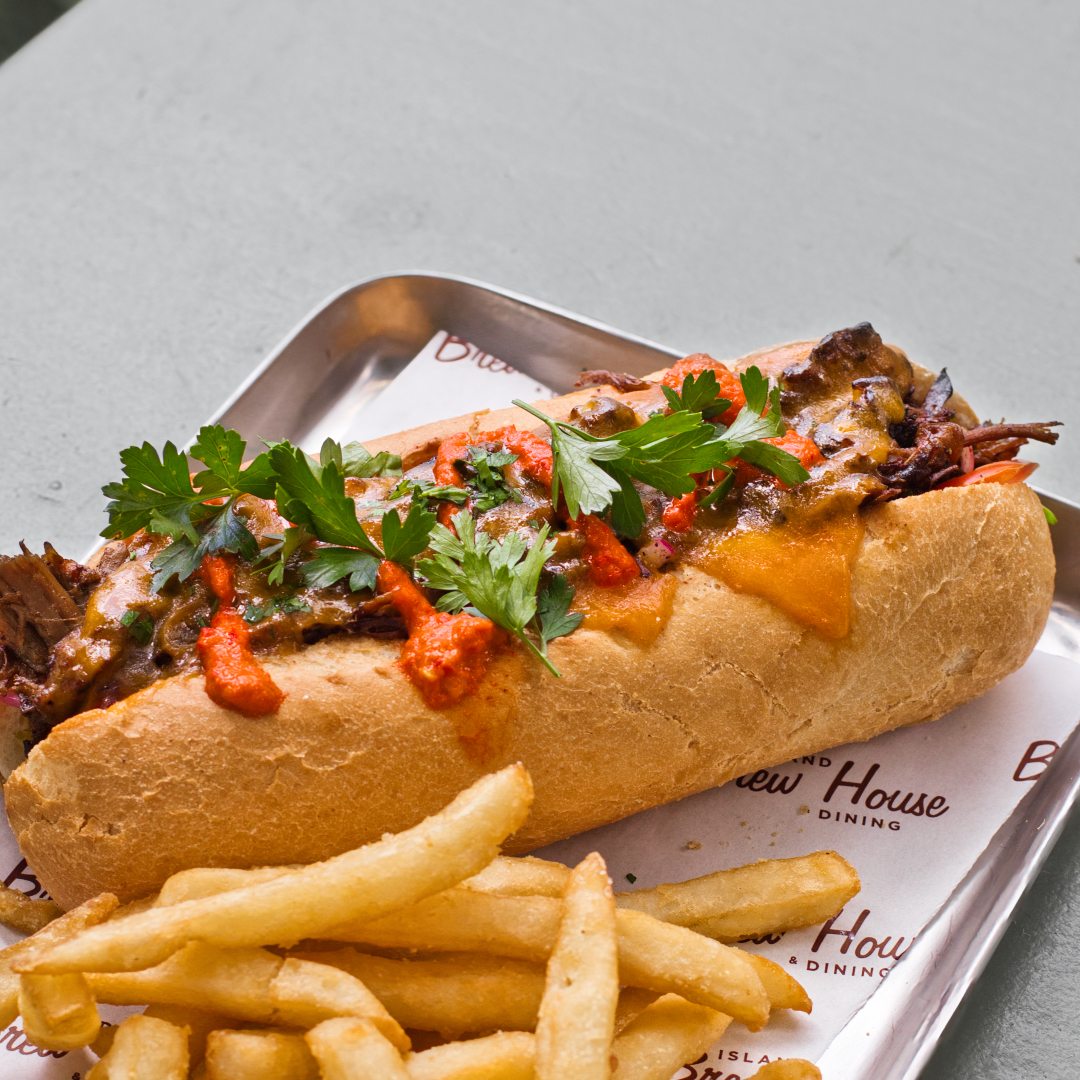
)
(360, 885)
(668, 1033)
(456, 994)
(766, 897)
(103, 1040)
(508, 1055)
(652, 955)
(259, 1055)
(785, 991)
(453, 994)
(672, 959)
(203, 881)
(632, 1003)
(144, 1048)
(58, 1011)
(577, 1014)
(788, 1069)
(523, 875)
(354, 1050)
(19, 912)
(198, 1022)
(62, 929)
(249, 984)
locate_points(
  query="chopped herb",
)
(313, 495)
(720, 492)
(139, 625)
(275, 556)
(355, 460)
(225, 532)
(631, 878)
(494, 578)
(484, 475)
(421, 490)
(587, 487)
(159, 494)
(1050, 516)
(254, 613)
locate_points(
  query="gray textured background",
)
(180, 182)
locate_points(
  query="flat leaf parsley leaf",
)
(354, 459)
(494, 578)
(330, 564)
(667, 451)
(699, 393)
(554, 617)
(159, 495)
(313, 495)
(404, 540)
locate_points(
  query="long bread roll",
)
(950, 591)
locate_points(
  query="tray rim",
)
(599, 325)
(966, 973)
(459, 279)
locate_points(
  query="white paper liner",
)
(965, 773)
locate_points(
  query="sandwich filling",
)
(493, 539)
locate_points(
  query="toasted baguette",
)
(950, 592)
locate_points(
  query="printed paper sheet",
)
(912, 809)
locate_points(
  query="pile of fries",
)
(423, 956)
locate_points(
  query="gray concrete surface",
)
(179, 183)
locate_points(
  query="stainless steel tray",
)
(354, 343)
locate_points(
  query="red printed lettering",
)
(1035, 759)
(914, 804)
(772, 783)
(22, 873)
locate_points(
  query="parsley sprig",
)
(699, 393)
(159, 494)
(596, 475)
(500, 580)
(312, 495)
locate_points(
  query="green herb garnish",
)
(255, 613)
(554, 618)
(699, 393)
(355, 460)
(158, 494)
(330, 565)
(597, 475)
(420, 490)
(139, 625)
(404, 539)
(275, 556)
(498, 579)
(484, 474)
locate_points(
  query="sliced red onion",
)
(656, 553)
(967, 459)
(11, 699)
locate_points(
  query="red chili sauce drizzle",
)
(234, 677)
(446, 655)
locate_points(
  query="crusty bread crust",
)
(950, 592)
